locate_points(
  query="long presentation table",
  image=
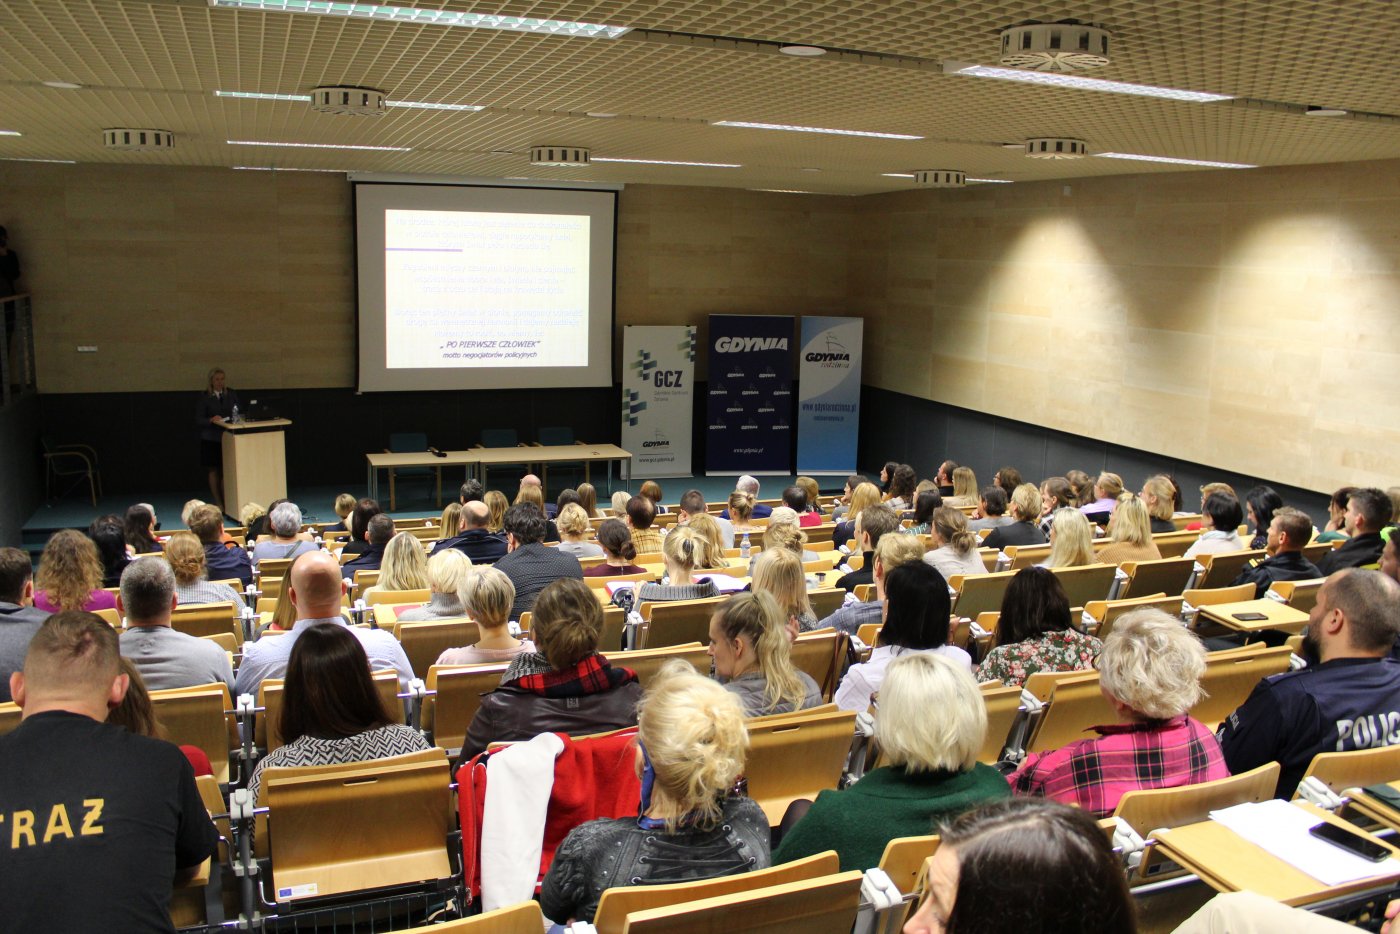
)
(477, 460)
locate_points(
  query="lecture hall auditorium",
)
(1202, 284)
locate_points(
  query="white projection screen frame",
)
(539, 262)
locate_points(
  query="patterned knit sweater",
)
(382, 743)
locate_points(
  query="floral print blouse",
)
(1069, 650)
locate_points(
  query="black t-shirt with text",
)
(94, 823)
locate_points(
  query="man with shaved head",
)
(476, 541)
(87, 804)
(315, 589)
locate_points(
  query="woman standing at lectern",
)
(216, 406)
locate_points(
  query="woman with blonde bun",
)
(691, 743)
(682, 551)
(186, 556)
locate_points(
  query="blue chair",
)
(558, 436)
(410, 442)
(499, 438)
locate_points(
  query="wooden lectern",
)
(255, 462)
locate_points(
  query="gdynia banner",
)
(828, 404)
(748, 427)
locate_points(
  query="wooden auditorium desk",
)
(475, 459)
(1277, 615)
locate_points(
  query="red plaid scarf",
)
(592, 675)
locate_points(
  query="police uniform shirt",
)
(94, 823)
(1338, 706)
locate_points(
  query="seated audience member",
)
(1007, 479)
(588, 499)
(1025, 514)
(451, 524)
(1337, 516)
(690, 750)
(692, 505)
(404, 566)
(1081, 485)
(899, 495)
(748, 485)
(706, 528)
(476, 540)
(1390, 561)
(530, 564)
(1035, 632)
(117, 811)
(343, 506)
(892, 551)
(165, 658)
(222, 562)
(534, 493)
(795, 498)
(445, 573)
(924, 505)
(486, 595)
(778, 572)
(887, 478)
(964, 489)
(365, 510)
(1022, 866)
(284, 525)
(1260, 504)
(284, 615)
(1071, 540)
(1129, 534)
(315, 588)
(753, 657)
(1055, 494)
(1159, 496)
(651, 490)
(108, 534)
(954, 547)
(139, 525)
(843, 502)
(872, 523)
(70, 575)
(863, 497)
(813, 491)
(566, 496)
(991, 510)
(19, 618)
(565, 686)
(1150, 672)
(928, 775)
(681, 551)
(641, 513)
(1368, 511)
(917, 611)
(136, 714)
(944, 478)
(331, 710)
(740, 513)
(377, 538)
(1108, 490)
(253, 517)
(1350, 686)
(784, 532)
(1221, 516)
(620, 499)
(1289, 530)
(471, 491)
(618, 551)
(186, 557)
(573, 533)
(496, 506)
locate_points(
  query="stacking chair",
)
(824, 904)
(1221, 568)
(819, 741)
(71, 460)
(676, 622)
(1086, 583)
(1167, 575)
(979, 593)
(454, 696)
(410, 442)
(617, 903)
(1301, 595)
(200, 716)
(1232, 675)
(1342, 770)
(424, 642)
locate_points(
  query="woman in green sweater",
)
(930, 727)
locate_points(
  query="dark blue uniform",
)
(1338, 706)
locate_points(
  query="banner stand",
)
(658, 400)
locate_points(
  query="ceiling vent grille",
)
(126, 139)
(565, 156)
(1056, 147)
(1064, 47)
(351, 101)
(940, 178)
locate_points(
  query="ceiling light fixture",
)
(990, 181)
(600, 114)
(428, 105)
(703, 165)
(136, 139)
(801, 51)
(1056, 147)
(10, 133)
(784, 191)
(305, 98)
(940, 178)
(62, 86)
(282, 168)
(401, 14)
(560, 156)
(1079, 83)
(1059, 47)
(896, 174)
(1168, 159)
(1324, 112)
(811, 129)
(260, 96)
(57, 161)
(255, 142)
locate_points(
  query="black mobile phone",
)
(1351, 842)
(1249, 617)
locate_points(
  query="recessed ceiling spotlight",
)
(1325, 112)
(803, 51)
(62, 85)
(601, 115)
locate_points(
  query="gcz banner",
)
(828, 409)
(749, 424)
(657, 399)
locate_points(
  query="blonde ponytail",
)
(757, 617)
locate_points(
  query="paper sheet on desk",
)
(1282, 830)
(724, 583)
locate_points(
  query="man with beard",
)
(1348, 698)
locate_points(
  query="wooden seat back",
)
(1222, 567)
(979, 593)
(1174, 544)
(10, 715)
(677, 622)
(1075, 704)
(267, 727)
(1301, 595)
(826, 601)
(820, 654)
(819, 741)
(647, 662)
(1316, 551)
(206, 619)
(1342, 770)
(1155, 808)
(384, 823)
(424, 642)
(448, 713)
(274, 567)
(524, 918)
(618, 902)
(200, 716)
(1003, 707)
(419, 596)
(1107, 612)
(1024, 556)
(904, 859)
(824, 904)
(1166, 575)
(1087, 582)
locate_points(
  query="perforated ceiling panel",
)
(686, 65)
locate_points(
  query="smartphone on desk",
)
(1351, 842)
(1249, 617)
